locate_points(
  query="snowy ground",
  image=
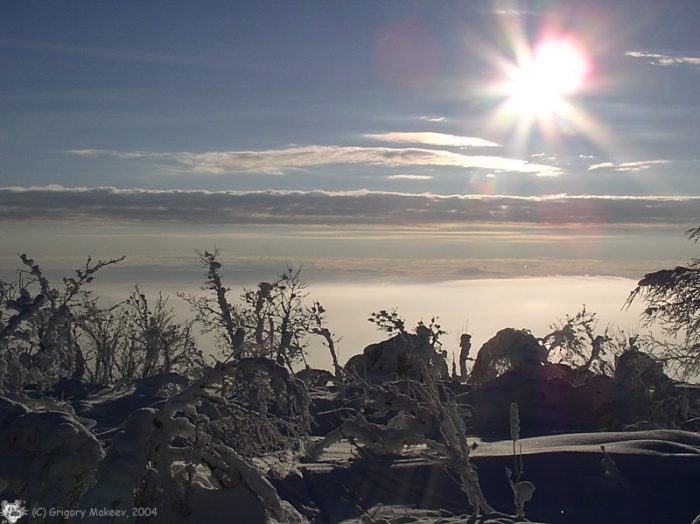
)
(658, 482)
(604, 477)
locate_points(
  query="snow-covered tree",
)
(672, 298)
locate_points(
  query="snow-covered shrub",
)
(314, 378)
(135, 339)
(166, 453)
(273, 321)
(659, 400)
(318, 327)
(267, 409)
(48, 333)
(413, 413)
(410, 419)
(509, 349)
(161, 385)
(411, 355)
(452, 451)
(155, 342)
(392, 322)
(103, 339)
(575, 342)
(46, 457)
(38, 326)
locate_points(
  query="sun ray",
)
(540, 80)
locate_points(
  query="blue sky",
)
(353, 106)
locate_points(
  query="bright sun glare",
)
(536, 91)
(556, 69)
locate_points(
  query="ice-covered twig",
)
(522, 489)
(611, 469)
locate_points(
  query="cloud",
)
(410, 177)
(628, 167)
(117, 154)
(602, 165)
(281, 161)
(105, 204)
(659, 59)
(433, 139)
(427, 118)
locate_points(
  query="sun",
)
(540, 91)
(539, 84)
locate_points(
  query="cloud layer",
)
(281, 161)
(321, 207)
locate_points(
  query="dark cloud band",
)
(320, 207)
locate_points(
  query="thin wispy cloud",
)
(426, 118)
(628, 167)
(362, 207)
(410, 177)
(281, 161)
(659, 59)
(433, 139)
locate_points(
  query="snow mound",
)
(46, 457)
